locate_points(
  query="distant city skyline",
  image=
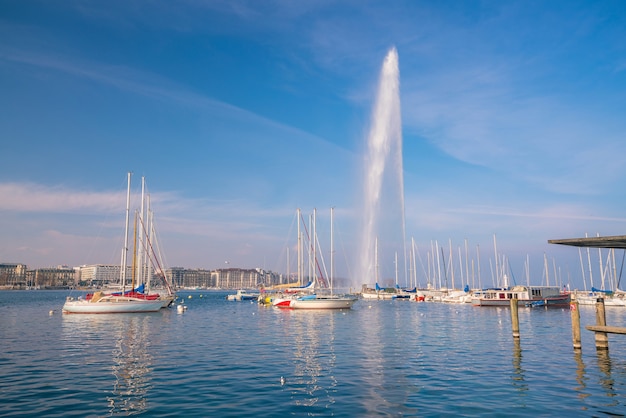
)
(239, 113)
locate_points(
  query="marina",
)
(379, 358)
(268, 119)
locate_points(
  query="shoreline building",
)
(230, 278)
(100, 275)
(12, 275)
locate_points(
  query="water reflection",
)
(606, 380)
(519, 381)
(314, 358)
(373, 358)
(117, 343)
(581, 378)
(132, 364)
(396, 380)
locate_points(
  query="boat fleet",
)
(136, 294)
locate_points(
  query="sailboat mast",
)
(125, 249)
(332, 251)
(414, 276)
(149, 247)
(299, 249)
(480, 281)
(142, 231)
(314, 248)
(590, 269)
(376, 260)
(134, 263)
(495, 251)
(396, 262)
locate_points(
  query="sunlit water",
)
(382, 358)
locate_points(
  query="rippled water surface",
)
(382, 358)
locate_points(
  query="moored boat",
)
(617, 298)
(306, 297)
(136, 299)
(243, 294)
(99, 304)
(378, 293)
(526, 296)
(322, 302)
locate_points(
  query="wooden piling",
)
(602, 338)
(514, 318)
(575, 314)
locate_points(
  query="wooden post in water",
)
(575, 314)
(514, 318)
(602, 338)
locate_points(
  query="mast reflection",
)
(132, 365)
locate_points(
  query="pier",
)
(601, 329)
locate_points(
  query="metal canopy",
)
(616, 241)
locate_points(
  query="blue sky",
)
(240, 112)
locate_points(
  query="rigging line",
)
(317, 265)
(152, 256)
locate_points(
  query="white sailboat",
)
(124, 302)
(321, 301)
(306, 299)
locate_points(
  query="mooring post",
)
(514, 318)
(575, 314)
(602, 338)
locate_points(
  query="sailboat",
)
(316, 300)
(120, 302)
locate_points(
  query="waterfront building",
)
(51, 277)
(12, 275)
(230, 278)
(17, 276)
(101, 275)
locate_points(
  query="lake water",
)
(382, 358)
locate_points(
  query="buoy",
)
(51, 312)
(189, 296)
(282, 380)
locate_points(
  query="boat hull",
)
(243, 295)
(109, 305)
(166, 301)
(282, 302)
(525, 295)
(378, 295)
(556, 301)
(322, 303)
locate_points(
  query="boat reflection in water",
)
(132, 365)
(313, 378)
(123, 341)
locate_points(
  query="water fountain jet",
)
(383, 188)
